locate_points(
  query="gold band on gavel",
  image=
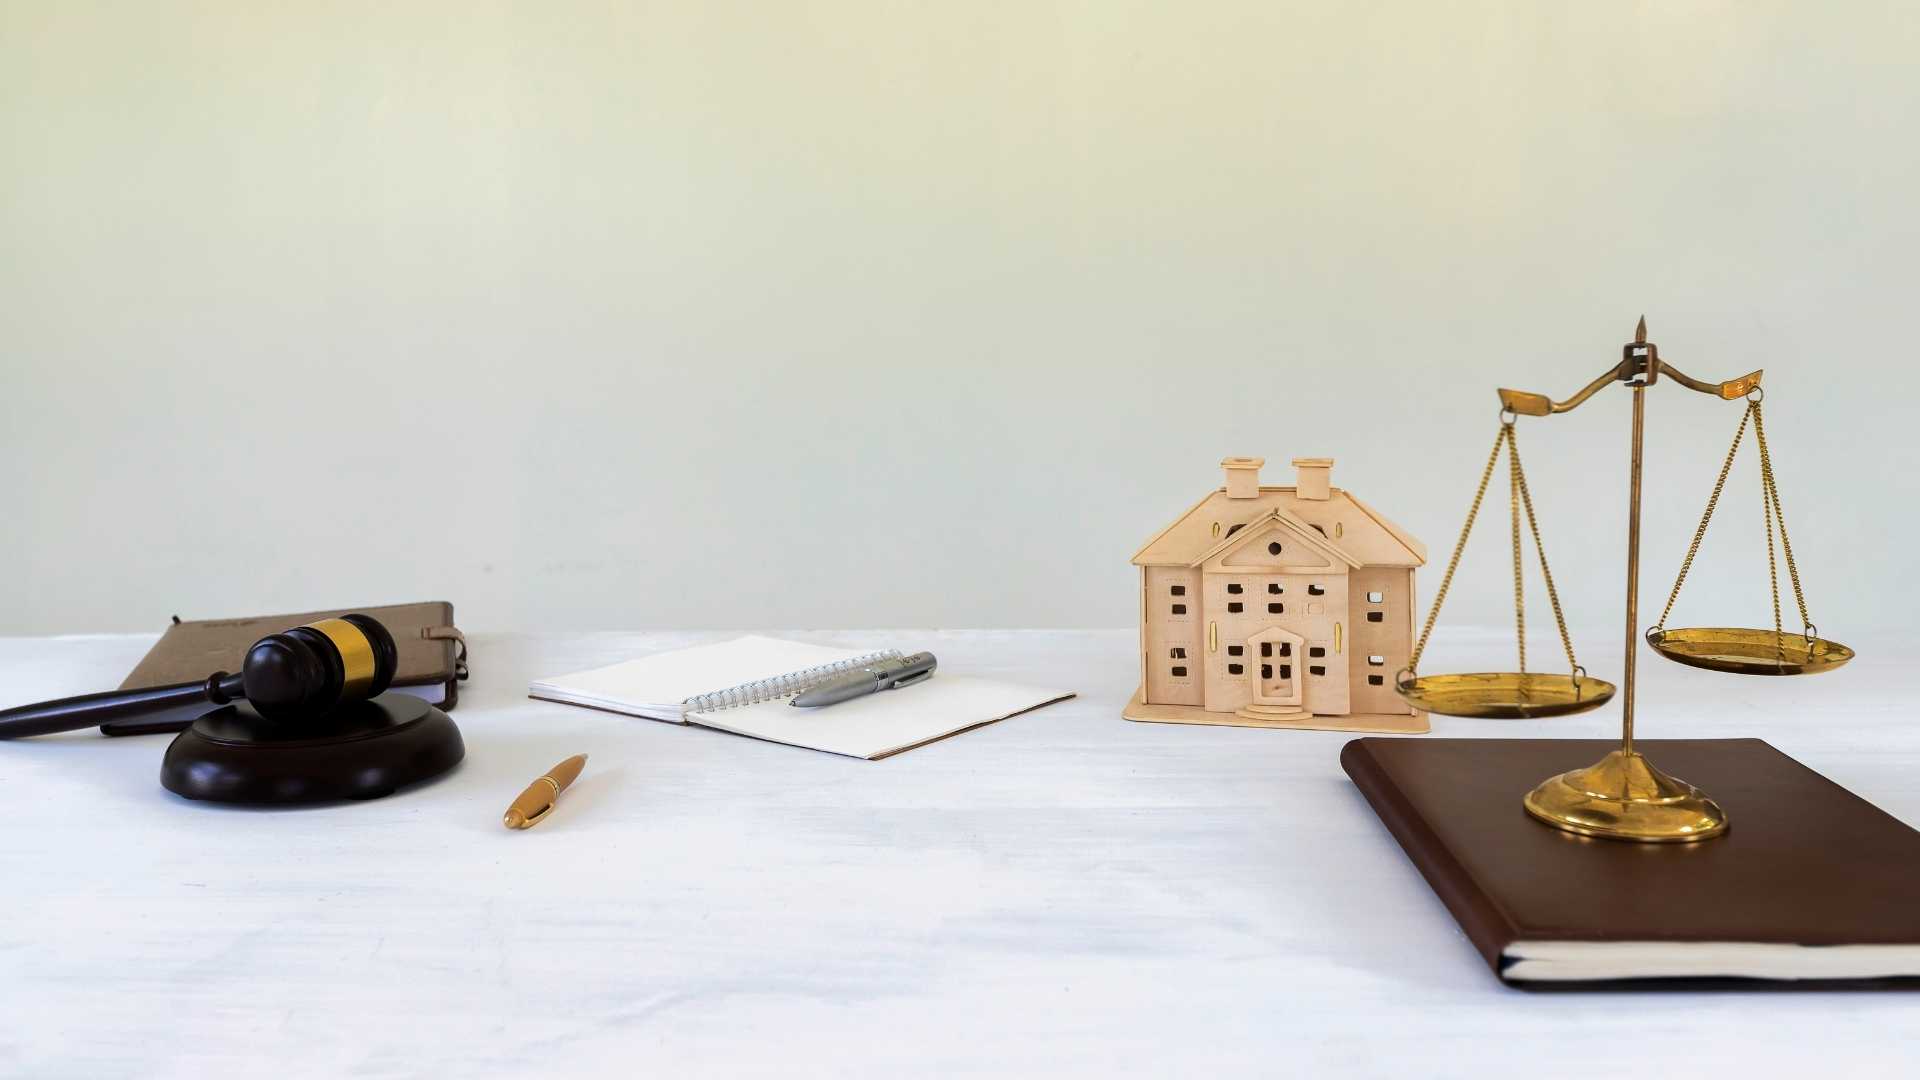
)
(356, 655)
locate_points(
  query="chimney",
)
(1315, 480)
(1243, 476)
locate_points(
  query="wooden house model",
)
(1277, 607)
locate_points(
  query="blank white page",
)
(654, 686)
(887, 722)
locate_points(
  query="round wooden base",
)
(362, 751)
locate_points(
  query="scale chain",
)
(1513, 508)
(1553, 594)
(1771, 516)
(1713, 500)
(1446, 580)
(1773, 571)
(1771, 493)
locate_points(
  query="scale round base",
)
(1748, 652)
(1506, 695)
(1623, 797)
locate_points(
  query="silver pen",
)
(870, 679)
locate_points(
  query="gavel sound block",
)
(306, 720)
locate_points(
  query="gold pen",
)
(537, 801)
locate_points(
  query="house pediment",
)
(1277, 542)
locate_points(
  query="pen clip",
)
(921, 676)
(535, 819)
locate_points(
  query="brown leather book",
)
(1811, 882)
(432, 660)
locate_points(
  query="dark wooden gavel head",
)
(310, 669)
(289, 677)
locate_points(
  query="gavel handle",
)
(169, 724)
(71, 714)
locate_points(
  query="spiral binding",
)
(781, 686)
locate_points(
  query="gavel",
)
(295, 675)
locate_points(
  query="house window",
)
(1179, 590)
(1178, 652)
(1286, 671)
(1234, 587)
(1376, 661)
(1179, 609)
(1274, 589)
(1316, 669)
(1315, 590)
(1236, 608)
(1276, 609)
(1266, 649)
(1266, 671)
(1236, 669)
(1273, 548)
(1179, 671)
(1376, 616)
(1235, 529)
(1376, 598)
(1376, 680)
(1286, 648)
(1317, 651)
(1236, 650)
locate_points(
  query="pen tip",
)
(514, 820)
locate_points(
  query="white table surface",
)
(1064, 892)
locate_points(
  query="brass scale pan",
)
(1749, 652)
(1512, 694)
(1517, 695)
(1506, 694)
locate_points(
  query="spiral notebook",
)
(743, 686)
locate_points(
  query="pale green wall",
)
(841, 314)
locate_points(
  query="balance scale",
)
(1623, 796)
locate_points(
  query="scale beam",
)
(1640, 365)
(1726, 391)
(1530, 404)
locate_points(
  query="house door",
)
(1274, 668)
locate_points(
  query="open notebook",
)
(743, 686)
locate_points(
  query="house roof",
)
(1357, 531)
(1302, 531)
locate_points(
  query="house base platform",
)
(1371, 723)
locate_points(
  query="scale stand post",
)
(1623, 796)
